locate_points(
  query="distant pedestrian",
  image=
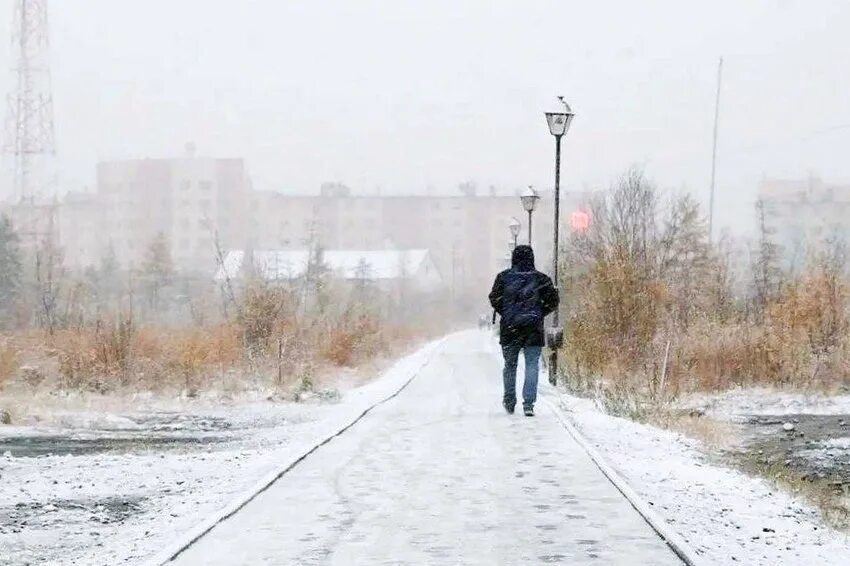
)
(523, 297)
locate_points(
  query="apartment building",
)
(802, 214)
(193, 201)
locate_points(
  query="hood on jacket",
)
(522, 258)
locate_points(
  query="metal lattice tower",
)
(29, 136)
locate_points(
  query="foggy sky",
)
(407, 95)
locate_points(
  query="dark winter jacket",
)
(523, 297)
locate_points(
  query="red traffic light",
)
(579, 220)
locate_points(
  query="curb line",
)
(192, 536)
(673, 539)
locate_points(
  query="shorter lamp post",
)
(529, 198)
(514, 226)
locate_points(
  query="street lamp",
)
(559, 122)
(514, 227)
(529, 198)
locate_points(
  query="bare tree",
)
(48, 284)
(226, 285)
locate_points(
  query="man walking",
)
(523, 297)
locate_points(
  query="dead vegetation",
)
(267, 340)
(162, 331)
(9, 360)
(655, 311)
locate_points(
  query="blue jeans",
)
(532, 365)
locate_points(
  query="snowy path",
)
(440, 475)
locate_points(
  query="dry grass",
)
(10, 360)
(93, 358)
(265, 345)
(802, 343)
(353, 338)
(716, 435)
(116, 353)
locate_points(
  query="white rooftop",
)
(346, 264)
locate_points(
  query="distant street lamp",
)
(529, 198)
(514, 227)
(559, 123)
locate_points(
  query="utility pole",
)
(454, 281)
(714, 152)
(29, 134)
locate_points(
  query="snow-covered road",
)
(440, 475)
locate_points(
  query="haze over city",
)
(407, 96)
(319, 282)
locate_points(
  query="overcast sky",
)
(408, 95)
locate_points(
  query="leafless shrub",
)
(95, 357)
(262, 309)
(635, 274)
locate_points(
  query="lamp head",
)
(514, 227)
(559, 122)
(529, 198)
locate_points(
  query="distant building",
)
(803, 214)
(198, 202)
(193, 201)
(467, 235)
(81, 229)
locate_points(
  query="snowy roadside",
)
(732, 405)
(108, 507)
(727, 516)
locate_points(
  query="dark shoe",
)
(528, 411)
(508, 408)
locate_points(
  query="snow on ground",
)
(837, 443)
(827, 452)
(117, 488)
(85, 490)
(728, 517)
(764, 401)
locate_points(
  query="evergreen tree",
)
(11, 272)
(157, 270)
(107, 276)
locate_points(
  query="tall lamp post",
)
(514, 227)
(559, 122)
(529, 198)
